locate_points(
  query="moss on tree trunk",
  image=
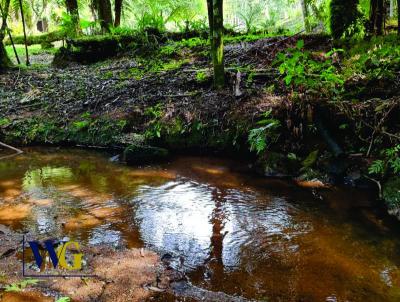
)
(344, 14)
(105, 14)
(4, 60)
(216, 20)
(398, 17)
(304, 9)
(72, 8)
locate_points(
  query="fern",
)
(260, 138)
(377, 167)
(391, 160)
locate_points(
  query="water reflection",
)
(230, 231)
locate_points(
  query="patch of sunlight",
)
(153, 174)
(11, 213)
(10, 195)
(208, 170)
(89, 197)
(103, 213)
(8, 183)
(41, 201)
(81, 221)
(218, 176)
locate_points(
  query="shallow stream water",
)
(227, 229)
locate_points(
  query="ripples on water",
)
(228, 230)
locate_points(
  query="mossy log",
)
(38, 39)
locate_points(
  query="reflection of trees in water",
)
(215, 261)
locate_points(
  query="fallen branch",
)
(18, 151)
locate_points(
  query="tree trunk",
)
(305, 15)
(372, 16)
(398, 17)
(72, 8)
(4, 59)
(118, 11)
(391, 9)
(211, 17)
(105, 14)
(24, 30)
(377, 17)
(380, 18)
(217, 40)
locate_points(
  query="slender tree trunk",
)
(4, 59)
(72, 8)
(398, 17)
(380, 18)
(391, 9)
(4, 28)
(23, 27)
(372, 17)
(217, 40)
(105, 14)
(118, 11)
(377, 17)
(210, 17)
(305, 15)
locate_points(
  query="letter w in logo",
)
(35, 247)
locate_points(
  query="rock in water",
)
(138, 155)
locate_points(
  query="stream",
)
(227, 229)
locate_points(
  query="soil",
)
(140, 267)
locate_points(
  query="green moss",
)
(85, 130)
(344, 17)
(101, 131)
(34, 130)
(38, 39)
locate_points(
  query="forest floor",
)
(165, 97)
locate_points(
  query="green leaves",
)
(19, 286)
(260, 138)
(4, 122)
(377, 167)
(300, 44)
(63, 299)
(310, 160)
(300, 70)
(391, 161)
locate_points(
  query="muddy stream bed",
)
(226, 229)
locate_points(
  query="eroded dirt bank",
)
(166, 99)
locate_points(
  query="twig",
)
(18, 151)
(377, 183)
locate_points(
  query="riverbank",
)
(331, 129)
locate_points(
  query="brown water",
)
(228, 230)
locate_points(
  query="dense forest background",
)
(90, 17)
